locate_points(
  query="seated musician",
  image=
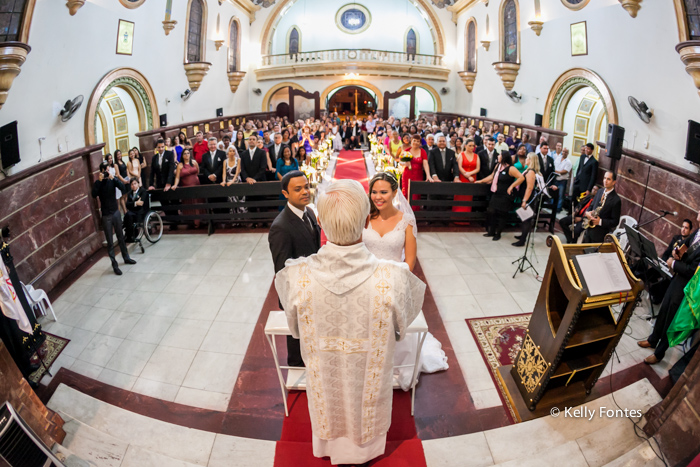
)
(136, 208)
(686, 228)
(579, 210)
(604, 214)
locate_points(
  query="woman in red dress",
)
(413, 169)
(469, 167)
(186, 175)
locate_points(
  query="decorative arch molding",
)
(566, 85)
(681, 19)
(139, 89)
(427, 87)
(351, 82)
(271, 92)
(275, 16)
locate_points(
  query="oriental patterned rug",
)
(49, 352)
(499, 339)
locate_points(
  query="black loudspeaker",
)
(9, 145)
(482, 113)
(692, 145)
(220, 112)
(613, 146)
(164, 120)
(538, 119)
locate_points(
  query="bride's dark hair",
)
(387, 177)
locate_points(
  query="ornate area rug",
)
(49, 352)
(499, 339)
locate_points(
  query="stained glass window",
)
(294, 42)
(471, 46)
(692, 14)
(510, 32)
(411, 43)
(194, 32)
(233, 47)
(353, 19)
(11, 12)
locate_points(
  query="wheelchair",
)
(150, 227)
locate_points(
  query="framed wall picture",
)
(579, 39)
(581, 126)
(125, 37)
(578, 144)
(116, 105)
(123, 144)
(586, 106)
(120, 125)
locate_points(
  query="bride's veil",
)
(403, 205)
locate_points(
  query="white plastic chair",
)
(620, 231)
(38, 297)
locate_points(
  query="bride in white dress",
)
(391, 234)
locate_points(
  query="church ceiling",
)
(437, 3)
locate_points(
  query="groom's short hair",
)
(343, 209)
(290, 175)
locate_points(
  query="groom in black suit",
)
(293, 234)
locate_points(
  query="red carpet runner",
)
(403, 448)
(351, 164)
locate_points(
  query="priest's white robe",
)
(349, 309)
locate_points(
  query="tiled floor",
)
(176, 326)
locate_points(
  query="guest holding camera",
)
(105, 188)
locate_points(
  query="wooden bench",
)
(437, 199)
(212, 205)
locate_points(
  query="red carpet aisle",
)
(351, 164)
(403, 448)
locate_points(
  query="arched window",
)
(294, 43)
(470, 64)
(11, 16)
(411, 43)
(196, 31)
(234, 46)
(692, 15)
(509, 28)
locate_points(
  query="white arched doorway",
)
(581, 104)
(121, 105)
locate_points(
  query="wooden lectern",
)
(571, 335)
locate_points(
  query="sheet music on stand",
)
(602, 273)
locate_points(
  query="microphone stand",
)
(663, 214)
(530, 238)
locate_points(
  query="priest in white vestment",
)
(349, 309)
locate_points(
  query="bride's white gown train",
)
(391, 246)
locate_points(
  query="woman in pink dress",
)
(186, 175)
(413, 169)
(469, 167)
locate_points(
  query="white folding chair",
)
(38, 297)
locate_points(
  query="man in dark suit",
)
(579, 211)
(136, 208)
(677, 240)
(609, 216)
(212, 164)
(293, 234)
(547, 169)
(162, 168)
(253, 162)
(105, 188)
(443, 163)
(683, 269)
(586, 173)
(488, 158)
(276, 149)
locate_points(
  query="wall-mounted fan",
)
(641, 108)
(70, 107)
(514, 96)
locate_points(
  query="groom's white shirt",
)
(349, 309)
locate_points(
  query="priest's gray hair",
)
(343, 211)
